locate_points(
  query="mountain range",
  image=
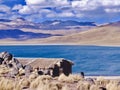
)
(21, 23)
(108, 34)
(70, 24)
(20, 35)
(20, 31)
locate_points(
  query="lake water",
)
(93, 60)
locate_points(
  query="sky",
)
(99, 11)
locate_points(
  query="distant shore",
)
(69, 44)
(104, 77)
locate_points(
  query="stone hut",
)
(55, 65)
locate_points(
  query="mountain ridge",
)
(108, 34)
(102, 35)
(46, 25)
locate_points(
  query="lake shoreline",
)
(59, 45)
(92, 60)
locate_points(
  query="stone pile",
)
(15, 67)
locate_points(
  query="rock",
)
(28, 70)
(82, 74)
(1, 60)
(13, 72)
(16, 63)
(90, 80)
(40, 72)
(102, 88)
(10, 65)
(46, 72)
(6, 55)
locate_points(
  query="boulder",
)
(28, 69)
(16, 64)
(1, 60)
(6, 56)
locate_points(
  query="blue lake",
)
(93, 60)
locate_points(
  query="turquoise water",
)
(93, 60)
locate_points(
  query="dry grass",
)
(21, 71)
(8, 84)
(46, 82)
(50, 86)
(83, 85)
(40, 81)
(24, 82)
(65, 87)
(94, 87)
(69, 79)
(4, 69)
(32, 77)
(101, 81)
(113, 85)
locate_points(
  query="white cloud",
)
(66, 14)
(94, 4)
(37, 9)
(65, 8)
(4, 8)
(25, 10)
(17, 7)
(31, 2)
(110, 2)
(50, 15)
(113, 10)
(46, 2)
(79, 3)
(85, 3)
(61, 2)
(44, 11)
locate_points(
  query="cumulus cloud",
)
(33, 2)
(66, 14)
(91, 9)
(4, 8)
(26, 10)
(110, 2)
(39, 4)
(17, 7)
(74, 4)
(46, 2)
(113, 10)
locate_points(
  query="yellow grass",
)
(7, 84)
(65, 87)
(69, 79)
(4, 69)
(41, 80)
(94, 87)
(24, 82)
(46, 82)
(32, 77)
(83, 85)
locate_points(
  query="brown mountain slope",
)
(104, 35)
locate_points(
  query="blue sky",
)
(100, 11)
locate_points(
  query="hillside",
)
(21, 29)
(108, 34)
(102, 35)
(21, 35)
